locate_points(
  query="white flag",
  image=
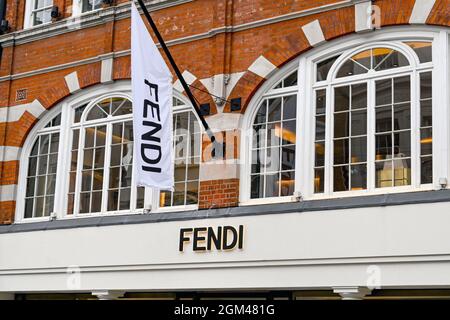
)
(152, 109)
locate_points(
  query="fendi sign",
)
(209, 238)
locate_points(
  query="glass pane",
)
(341, 151)
(100, 136)
(85, 201)
(320, 101)
(181, 123)
(359, 150)
(124, 199)
(272, 185)
(289, 107)
(140, 195)
(359, 123)
(30, 187)
(39, 209)
(289, 132)
(341, 125)
(320, 154)
(423, 50)
(426, 170)
(72, 180)
(126, 177)
(34, 150)
(402, 90)
(402, 117)
(274, 110)
(86, 180)
(117, 133)
(273, 159)
(425, 85)
(165, 198)
(192, 192)
(290, 80)
(42, 164)
(99, 157)
(402, 172)
(273, 134)
(178, 195)
(341, 178)
(341, 98)
(113, 198)
(287, 183)
(385, 59)
(364, 58)
(114, 176)
(105, 105)
(350, 68)
(383, 146)
(261, 114)
(29, 208)
(383, 119)
(319, 180)
(257, 186)
(359, 96)
(402, 144)
(320, 127)
(116, 106)
(40, 189)
(193, 171)
(426, 115)
(48, 207)
(358, 177)
(97, 183)
(96, 113)
(259, 136)
(257, 160)
(116, 152)
(88, 158)
(180, 172)
(89, 137)
(54, 143)
(51, 181)
(288, 158)
(70, 204)
(383, 92)
(79, 112)
(96, 205)
(426, 141)
(323, 68)
(32, 166)
(74, 161)
(75, 138)
(128, 132)
(44, 144)
(383, 174)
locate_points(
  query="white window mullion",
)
(371, 125)
(80, 156)
(304, 158)
(415, 129)
(106, 167)
(329, 129)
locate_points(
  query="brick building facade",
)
(241, 51)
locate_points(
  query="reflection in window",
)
(376, 59)
(100, 175)
(273, 148)
(41, 174)
(422, 49)
(40, 12)
(426, 129)
(187, 150)
(90, 5)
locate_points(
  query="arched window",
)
(101, 171)
(273, 141)
(79, 160)
(366, 119)
(41, 171)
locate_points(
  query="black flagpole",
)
(177, 71)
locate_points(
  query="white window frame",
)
(346, 46)
(66, 108)
(28, 18)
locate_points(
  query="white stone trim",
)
(72, 82)
(313, 32)
(363, 16)
(262, 67)
(219, 170)
(107, 70)
(421, 11)
(224, 121)
(8, 192)
(10, 153)
(188, 77)
(12, 114)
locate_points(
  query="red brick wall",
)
(223, 53)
